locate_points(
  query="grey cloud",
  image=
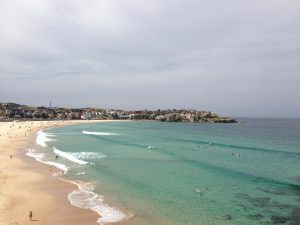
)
(234, 57)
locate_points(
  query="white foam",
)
(40, 158)
(69, 156)
(33, 154)
(80, 173)
(42, 138)
(98, 133)
(88, 155)
(85, 197)
(58, 165)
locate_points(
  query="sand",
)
(28, 185)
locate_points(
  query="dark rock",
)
(279, 219)
(261, 202)
(227, 217)
(256, 217)
(280, 205)
(258, 202)
(224, 120)
(281, 191)
(295, 216)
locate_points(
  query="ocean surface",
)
(179, 173)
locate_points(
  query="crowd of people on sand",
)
(28, 126)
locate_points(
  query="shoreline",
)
(49, 203)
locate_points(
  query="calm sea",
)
(178, 173)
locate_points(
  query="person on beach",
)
(30, 215)
(50, 170)
(10, 156)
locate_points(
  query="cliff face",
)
(194, 118)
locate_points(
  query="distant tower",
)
(50, 105)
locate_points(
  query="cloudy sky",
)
(239, 58)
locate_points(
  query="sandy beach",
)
(27, 185)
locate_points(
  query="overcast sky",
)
(234, 57)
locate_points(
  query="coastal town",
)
(13, 111)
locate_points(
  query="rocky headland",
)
(11, 111)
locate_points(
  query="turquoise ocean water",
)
(178, 173)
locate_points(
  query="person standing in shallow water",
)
(30, 215)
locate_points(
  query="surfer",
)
(199, 191)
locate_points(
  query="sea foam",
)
(88, 155)
(42, 138)
(40, 158)
(98, 133)
(69, 156)
(33, 154)
(85, 197)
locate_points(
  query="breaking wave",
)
(88, 155)
(69, 156)
(42, 138)
(85, 197)
(98, 133)
(40, 158)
